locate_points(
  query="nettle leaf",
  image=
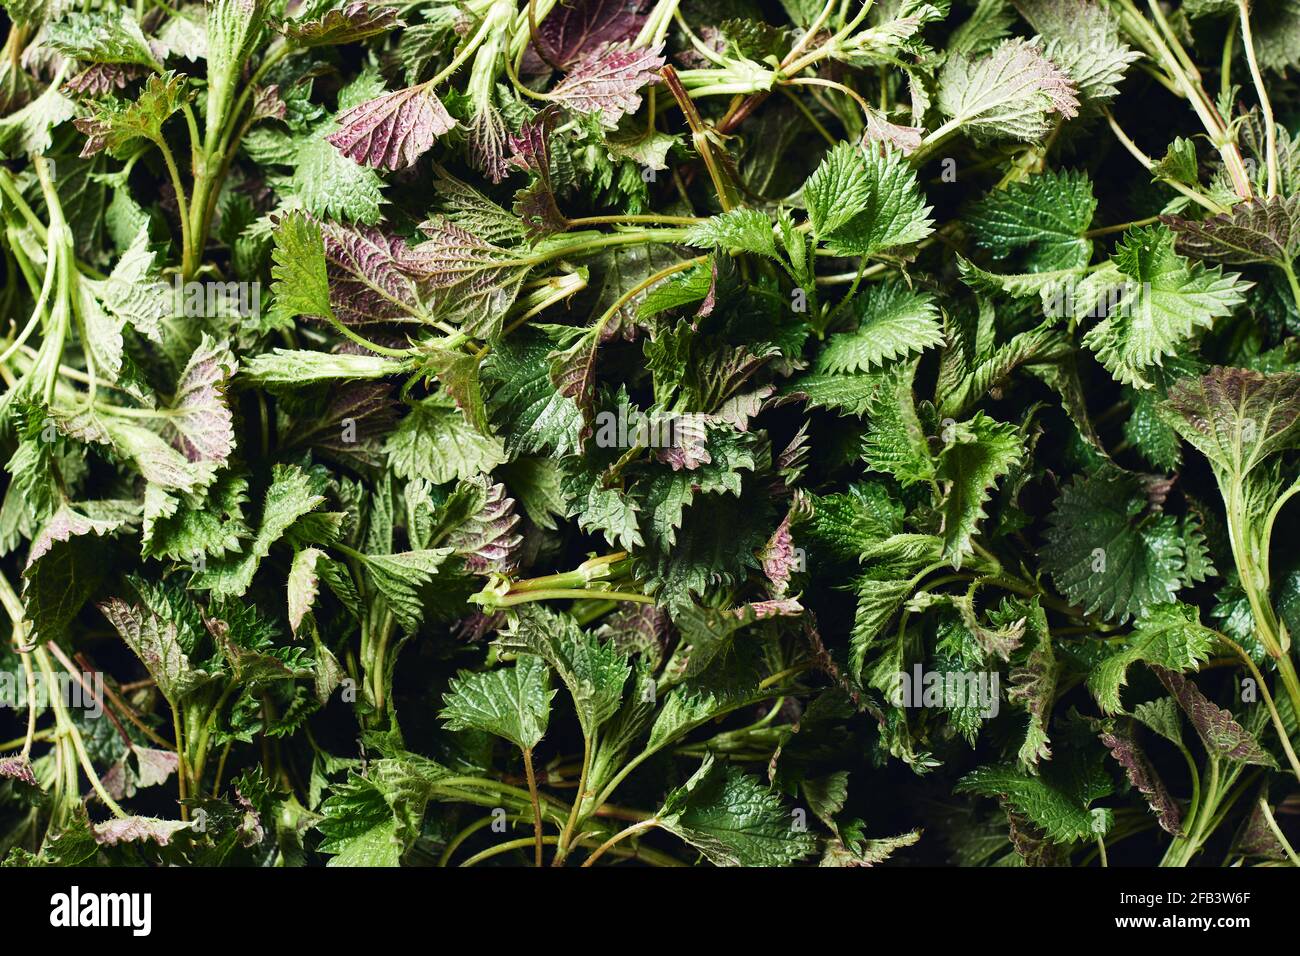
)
(1126, 750)
(593, 671)
(1015, 92)
(608, 81)
(435, 442)
(1057, 807)
(326, 183)
(1170, 636)
(731, 818)
(739, 230)
(573, 29)
(527, 408)
(401, 577)
(355, 21)
(510, 702)
(29, 129)
(156, 641)
(394, 130)
(896, 443)
(1237, 418)
(1033, 685)
(102, 38)
(601, 507)
(893, 321)
(1046, 215)
(1255, 231)
(1083, 38)
(1108, 552)
(201, 424)
(861, 202)
(292, 494)
(707, 633)
(1165, 300)
(980, 452)
(374, 276)
(298, 277)
(112, 124)
(1217, 728)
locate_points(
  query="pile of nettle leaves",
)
(332, 336)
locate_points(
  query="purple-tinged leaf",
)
(358, 20)
(879, 131)
(201, 425)
(101, 79)
(394, 130)
(68, 523)
(575, 28)
(486, 144)
(609, 81)
(489, 541)
(268, 104)
(348, 429)
(135, 829)
(154, 766)
(374, 276)
(1256, 838)
(573, 373)
(17, 768)
(638, 629)
(690, 446)
(1255, 231)
(531, 152)
(1236, 417)
(778, 558)
(1217, 728)
(1142, 775)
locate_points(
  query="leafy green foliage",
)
(634, 433)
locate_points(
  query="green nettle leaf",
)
(511, 702)
(733, 819)
(1047, 216)
(534, 414)
(893, 322)
(291, 495)
(1108, 552)
(862, 202)
(1162, 301)
(896, 443)
(593, 671)
(436, 443)
(979, 453)
(1059, 808)
(1013, 92)
(401, 577)
(1170, 636)
(740, 230)
(298, 277)
(113, 125)
(102, 38)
